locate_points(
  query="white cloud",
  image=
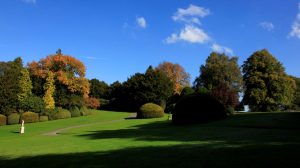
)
(296, 26)
(141, 22)
(30, 1)
(189, 33)
(192, 14)
(221, 49)
(269, 26)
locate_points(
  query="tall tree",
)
(267, 86)
(296, 101)
(67, 70)
(10, 73)
(176, 74)
(49, 88)
(25, 85)
(222, 77)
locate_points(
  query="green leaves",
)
(268, 88)
(25, 85)
(222, 77)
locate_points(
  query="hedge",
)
(14, 118)
(30, 117)
(44, 118)
(2, 119)
(62, 114)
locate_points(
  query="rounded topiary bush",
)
(30, 117)
(44, 118)
(198, 108)
(150, 110)
(14, 118)
(75, 112)
(62, 114)
(2, 119)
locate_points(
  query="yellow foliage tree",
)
(25, 85)
(49, 88)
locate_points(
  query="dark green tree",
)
(222, 77)
(296, 102)
(153, 86)
(10, 73)
(267, 87)
(99, 89)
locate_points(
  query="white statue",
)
(22, 127)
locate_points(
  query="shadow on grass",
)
(15, 132)
(209, 155)
(240, 129)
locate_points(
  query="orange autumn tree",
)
(66, 69)
(176, 74)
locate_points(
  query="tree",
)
(176, 74)
(25, 85)
(153, 86)
(99, 89)
(267, 86)
(10, 73)
(296, 101)
(49, 88)
(67, 70)
(222, 77)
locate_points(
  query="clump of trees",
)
(43, 88)
(56, 87)
(152, 86)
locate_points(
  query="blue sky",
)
(117, 38)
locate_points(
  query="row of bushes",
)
(54, 114)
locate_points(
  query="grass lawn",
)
(106, 140)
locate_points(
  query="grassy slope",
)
(245, 140)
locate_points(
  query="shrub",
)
(14, 118)
(30, 117)
(230, 111)
(84, 111)
(150, 110)
(33, 103)
(198, 108)
(50, 113)
(2, 119)
(62, 114)
(75, 112)
(92, 102)
(44, 118)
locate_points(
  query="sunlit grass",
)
(107, 140)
